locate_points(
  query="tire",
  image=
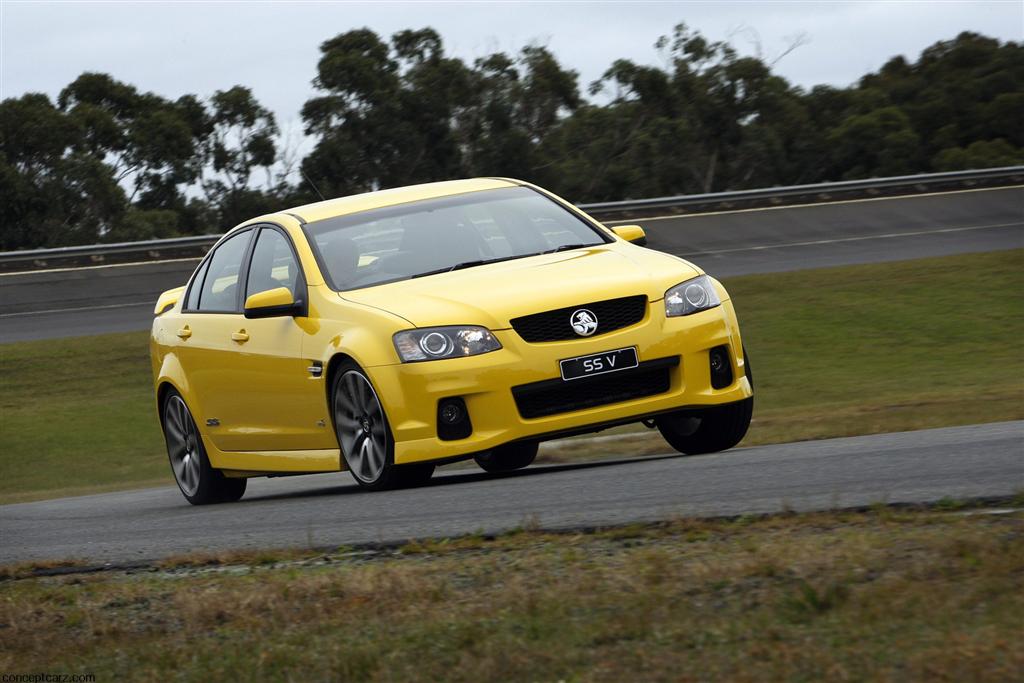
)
(364, 434)
(508, 457)
(197, 480)
(709, 430)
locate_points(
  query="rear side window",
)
(197, 283)
(220, 286)
(273, 265)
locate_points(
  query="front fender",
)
(338, 326)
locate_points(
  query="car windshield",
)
(438, 235)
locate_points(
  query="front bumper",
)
(411, 391)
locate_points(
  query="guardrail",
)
(147, 248)
(929, 182)
(196, 246)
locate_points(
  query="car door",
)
(272, 402)
(211, 314)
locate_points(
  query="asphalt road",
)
(120, 298)
(846, 233)
(329, 510)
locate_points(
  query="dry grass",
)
(883, 595)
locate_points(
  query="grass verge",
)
(835, 352)
(885, 594)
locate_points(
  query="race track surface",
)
(329, 510)
(845, 233)
(120, 298)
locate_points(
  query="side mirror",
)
(168, 299)
(271, 303)
(631, 233)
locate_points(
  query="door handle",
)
(240, 336)
(185, 332)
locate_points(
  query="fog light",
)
(453, 419)
(717, 362)
(721, 367)
(451, 413)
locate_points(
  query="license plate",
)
(599, 363)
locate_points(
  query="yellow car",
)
(390, 332)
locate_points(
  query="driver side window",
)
(273, 265)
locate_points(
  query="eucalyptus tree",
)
(151, 144)
(385, 113)
(54, 192)
(240, 140)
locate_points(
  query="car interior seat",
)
(341, 255)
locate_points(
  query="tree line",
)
(106, 162)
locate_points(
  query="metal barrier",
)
(929, 182)
(194, 247)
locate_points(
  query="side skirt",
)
(258, 463)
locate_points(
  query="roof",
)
(400, 195)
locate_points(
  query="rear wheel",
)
(508, 457)
(198, 481)
(365, 435)
(709, 430)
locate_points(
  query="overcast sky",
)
(174, 48)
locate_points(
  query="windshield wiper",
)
(483, 262)
(566, 247)
(471, 264)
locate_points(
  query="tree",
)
(54, 192)
(110, 162)
(715, 120)
(240, 140)
(151, 143)
(979, 154)
(386, 114)
(401, 111)
(517, 103)
(958, 92)
(879, 143)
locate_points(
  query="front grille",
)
(611, 314)
(555, 396)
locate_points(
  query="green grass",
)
(78, 416)
(884, 595)
(885, 347)
(835, 352)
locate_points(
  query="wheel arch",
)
(163, 389)
(333, 364)
(164, 386)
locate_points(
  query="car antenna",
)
(315, 188)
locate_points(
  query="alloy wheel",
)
(361, 427)
(182, 445)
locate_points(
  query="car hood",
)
(493, 294)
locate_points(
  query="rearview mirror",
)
(271, 304)
(631, 233)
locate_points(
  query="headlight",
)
(433, 343)
(691, 296)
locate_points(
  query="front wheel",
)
(365, 435)
(198, 481)
(709, 430)
(508, 457)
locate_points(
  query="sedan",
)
(391, 332)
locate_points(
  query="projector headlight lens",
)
(691, 296)
(435, 343)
